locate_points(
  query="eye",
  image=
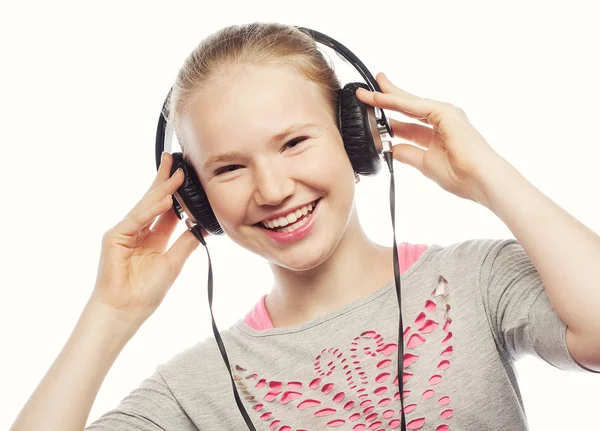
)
(224, 169)
(294, 142)
(290, 144)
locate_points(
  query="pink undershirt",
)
(258, 318)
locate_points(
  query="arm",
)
(457, 157)
(128, 290)
(565, 252)
(65, 395)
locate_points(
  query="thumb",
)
(409, 155)
(181, 249)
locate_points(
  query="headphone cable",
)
(198, 234)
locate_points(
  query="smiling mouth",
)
(293, 220)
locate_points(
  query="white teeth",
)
(289, 218)
(295, 225)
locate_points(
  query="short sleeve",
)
(518, 308)
(149, 407)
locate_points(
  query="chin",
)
(299, 264)
(305, 258)
(305, 254)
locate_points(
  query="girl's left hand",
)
(453, 153)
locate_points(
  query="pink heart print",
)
(351, 407)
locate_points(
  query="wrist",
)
(491, 174)
(111, 319)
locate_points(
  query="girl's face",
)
(253, 170)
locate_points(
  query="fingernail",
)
(162, 156)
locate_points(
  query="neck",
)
(357, 268)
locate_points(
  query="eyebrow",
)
(232, 155)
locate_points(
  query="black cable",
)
(389, 160)
(197, 233)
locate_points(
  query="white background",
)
(82, 86)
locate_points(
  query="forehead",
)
(247, 106)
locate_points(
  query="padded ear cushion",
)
(194, 196)
(356, 133)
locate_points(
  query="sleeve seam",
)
(173, 395)
(529, 326)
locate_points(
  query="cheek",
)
(332, 161)
(227, 204)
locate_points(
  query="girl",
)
(254, 108)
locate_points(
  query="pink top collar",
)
(258, 318)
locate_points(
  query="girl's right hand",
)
(135, 272)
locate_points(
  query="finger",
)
(409, 106)
(137, 220)
(182, 248)
(409, 155)
(162, 230)
(163, 173)
(388, 87)
(441, 108)
(168, 187)
(416, 133)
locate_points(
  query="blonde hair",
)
(257, 44)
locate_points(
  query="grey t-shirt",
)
(469, 311)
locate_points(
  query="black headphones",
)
(358, 123)
(366, 133)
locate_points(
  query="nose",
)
(272, 185)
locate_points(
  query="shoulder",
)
(470, 249)
(199, 363)
(464, 259)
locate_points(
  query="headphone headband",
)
(164, 131)
(345, 54)
(365, 133)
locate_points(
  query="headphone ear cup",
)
(353, 119)
(193, 197)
